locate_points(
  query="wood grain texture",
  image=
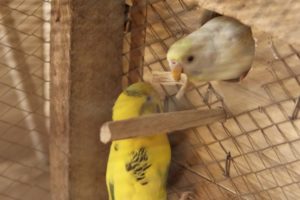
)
(86, 49)
(159, 123)
(59, 138)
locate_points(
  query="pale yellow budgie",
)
(222, 49)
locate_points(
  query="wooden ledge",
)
(158, 123)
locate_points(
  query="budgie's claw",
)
(188, 196)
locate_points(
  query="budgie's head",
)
(213, 52)
(138, 99)
(183, 56)
(190, 55)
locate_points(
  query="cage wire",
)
(24, 99)
(262, 133)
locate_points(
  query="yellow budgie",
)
(138, 167)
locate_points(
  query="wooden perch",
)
(158, 123)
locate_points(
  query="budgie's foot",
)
(188, 196)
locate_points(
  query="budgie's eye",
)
(190, 59)
(149, 98)
(173, 62)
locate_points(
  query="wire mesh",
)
(262, 132)
(24, 99)
(263, 137)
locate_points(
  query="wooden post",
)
(86, 50)
(138, 36)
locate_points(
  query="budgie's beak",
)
(176, 72)
(176, 69)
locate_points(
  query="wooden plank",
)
(271, 17)
(159, 123)
(86, 49)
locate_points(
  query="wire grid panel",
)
(24, 99)
(263, 131)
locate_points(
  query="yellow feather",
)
(137, 168)
(179, 49)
